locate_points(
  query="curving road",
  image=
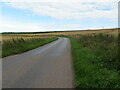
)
(49, 66)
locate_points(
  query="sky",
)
(57, 15)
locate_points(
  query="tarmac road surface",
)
(49, 66)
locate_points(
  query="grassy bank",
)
(20, 45)
(96, 61)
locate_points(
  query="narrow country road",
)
(49, 66)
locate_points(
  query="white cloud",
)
(62, 9)
(70, 10)
(6, 26)
(71, 27)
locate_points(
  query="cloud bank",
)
(78, 10)
(71, 10)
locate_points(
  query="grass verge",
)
(16, 46)
(96, 61)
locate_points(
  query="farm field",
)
(18, 37)
(94, 53)
(6, 37)
(96, 60)
(113, 31)
(17, 44)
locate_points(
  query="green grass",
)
(16, 46)
(96, 61)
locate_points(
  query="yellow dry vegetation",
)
(113, 31)
(106, 31)
(25, 37)
(109, 31)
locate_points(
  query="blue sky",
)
(57, 16)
